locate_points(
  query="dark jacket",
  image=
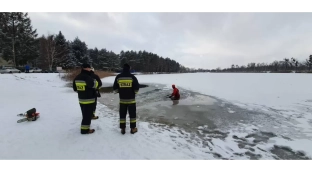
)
(93, 75)
(85, 85)
(127, 85)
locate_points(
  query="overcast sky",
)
(199, 40)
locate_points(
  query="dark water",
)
(111, 90)
(207, 117)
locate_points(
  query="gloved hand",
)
(98, 93)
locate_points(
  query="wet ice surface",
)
(226, 130)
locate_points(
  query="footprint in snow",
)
(98, 127)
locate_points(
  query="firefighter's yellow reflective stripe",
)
(132, 120)
(125, 83)
(122, 120)
(128, 102)
(81, 85)
(86, 101)
(124, 78)
(86, 127)
(96, 84)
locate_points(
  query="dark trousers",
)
(94, 107)
(175, 98)
(123, 109)
(87, 110)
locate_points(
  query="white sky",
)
(199, 40)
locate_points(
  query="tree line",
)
(286, 65)
(20, 44)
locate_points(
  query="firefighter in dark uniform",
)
(97, 91)
(85, 86)
(127, 85)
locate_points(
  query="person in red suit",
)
(175, 94)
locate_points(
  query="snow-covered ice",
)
(284, 98)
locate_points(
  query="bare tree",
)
(49, 51)
(295, 63)
(308, 64)
(286, 63)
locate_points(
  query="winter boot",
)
(123, 131)
(133, 130)
(90, 131)
(94, 117)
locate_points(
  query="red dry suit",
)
(175, 94)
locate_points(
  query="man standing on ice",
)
(127, 85)
(97, 91)
(85, 85)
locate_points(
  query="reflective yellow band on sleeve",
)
(96, 84)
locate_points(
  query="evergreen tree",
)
(18, 39)
(62, 48)
(80, 51)
(94, 56)
(102, 59)
(71, 60)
